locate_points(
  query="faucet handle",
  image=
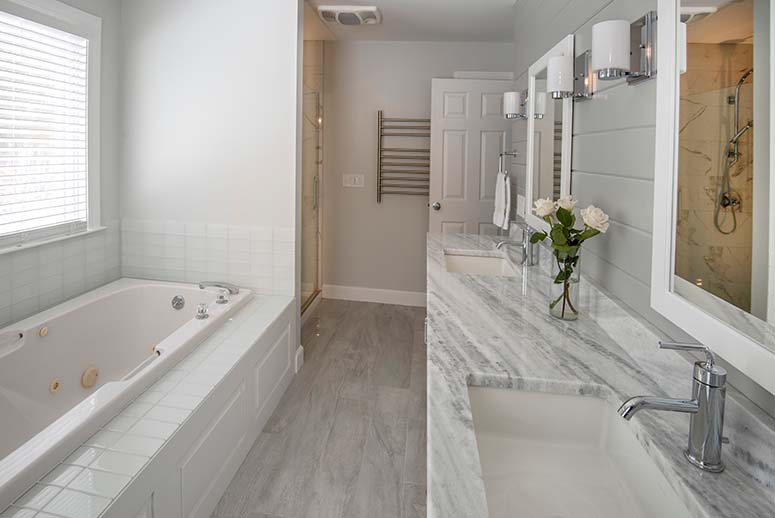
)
(707, 373)
(202, 312)
(684, 346)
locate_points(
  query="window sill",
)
(48, 241)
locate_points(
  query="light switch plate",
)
(520, 205)
(353, 180)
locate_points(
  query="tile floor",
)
(348, 437)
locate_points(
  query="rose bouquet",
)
(566, 246)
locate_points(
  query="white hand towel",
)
(500, 216)
(507, 204)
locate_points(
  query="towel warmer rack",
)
(402, 170)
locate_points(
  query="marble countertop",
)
(497, 331)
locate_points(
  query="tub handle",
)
(10, 342)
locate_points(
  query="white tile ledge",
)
(47, 241)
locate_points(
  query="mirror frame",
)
(564, 47)
(745, 354)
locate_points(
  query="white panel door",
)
(468, 132)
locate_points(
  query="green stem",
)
(567, 269)
(567, 296)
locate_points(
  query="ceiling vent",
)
(350, 14)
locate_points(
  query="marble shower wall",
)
(310, 156)
(720, 263)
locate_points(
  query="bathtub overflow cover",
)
(178, 302)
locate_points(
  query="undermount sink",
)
(478, 265)
(557, 456)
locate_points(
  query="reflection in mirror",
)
(548, 142)
(722, 217)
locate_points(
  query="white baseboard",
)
(299, 361)
(397, 297)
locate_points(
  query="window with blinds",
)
(43, 131)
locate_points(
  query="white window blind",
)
(43, 131)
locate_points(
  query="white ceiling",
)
(431, 20)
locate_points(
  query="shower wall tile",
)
(260, 258)
(36, 279)
(720, 263)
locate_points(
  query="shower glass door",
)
(311, 165)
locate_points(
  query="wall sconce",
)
(584, 76)
(559, 77)
(621, 48)
(512, 105)
(611, 49)
(540, 105)
(643, 42)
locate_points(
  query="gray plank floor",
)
(348, 437)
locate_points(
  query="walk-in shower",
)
(722, 175)
(728, 200)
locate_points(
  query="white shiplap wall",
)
(613, 146)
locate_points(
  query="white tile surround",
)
(90, 479)
(35, 279)
(260, 258)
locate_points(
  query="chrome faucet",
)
(233, 290)
(528, 248)
(202, 312)
(503, 242)
(706, 423)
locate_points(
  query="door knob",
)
(436, 206)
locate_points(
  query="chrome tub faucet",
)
(706, 406)
(232, 289)
(225, 290)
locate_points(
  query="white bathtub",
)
(127, 330)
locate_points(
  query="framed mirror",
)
(712, 272)
(549, 134)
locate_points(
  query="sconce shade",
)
(511, 104)
(611, 49)
(540, 105)
(559, 76)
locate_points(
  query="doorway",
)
(466, 142)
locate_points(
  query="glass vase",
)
(564, 287)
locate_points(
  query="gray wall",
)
(613, 147)
(217, 145)
(209, 122)
(366, 244)
(613, 159)
(37, 278)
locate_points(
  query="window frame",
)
(58, 15)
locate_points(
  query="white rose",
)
(595, 218)
(544, 207)
(567, 202)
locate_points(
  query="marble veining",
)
(496, 331)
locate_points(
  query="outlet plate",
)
(353, 180)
